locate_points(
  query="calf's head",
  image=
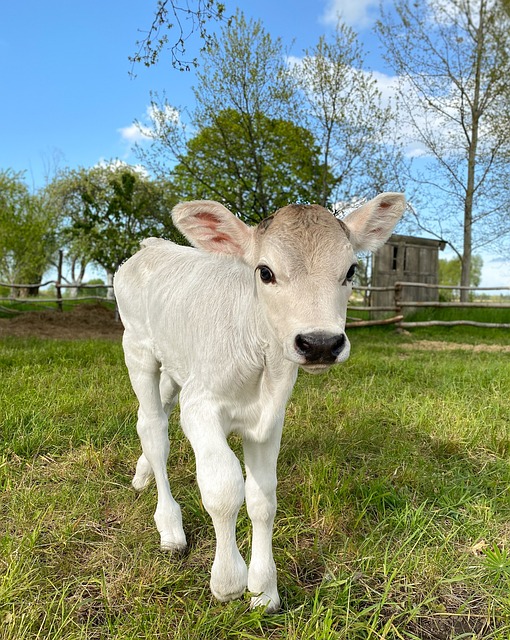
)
(304, 260)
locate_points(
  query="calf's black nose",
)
(322, 348)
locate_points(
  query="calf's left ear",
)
(372, 224)
(211, 226)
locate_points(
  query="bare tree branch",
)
(175, 21)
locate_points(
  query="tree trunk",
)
(465, 276)
(76, 279)
(109, 281)
(325, 170)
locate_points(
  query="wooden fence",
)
(400, 305)
(397, 309)
(58, 299)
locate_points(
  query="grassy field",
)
(394, 500)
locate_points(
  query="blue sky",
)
(67, 96)
(65, 83)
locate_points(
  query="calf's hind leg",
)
(169, 391)
(152, 427)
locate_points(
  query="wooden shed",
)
(406, 259)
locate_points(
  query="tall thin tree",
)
(452, 58)
(346, 112)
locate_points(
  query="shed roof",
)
(414, 241)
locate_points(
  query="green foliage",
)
(450, 275)
(268, 133)
(110, 209)
(345, 111)
(452, 59)
(250, 148)
(244, 68)
(27, 231)
(497, 563)
(392, 516)
(94, 291)
(254, 165)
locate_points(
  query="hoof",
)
(174, 548)
(228, 596)
(175, 544)
(139, 483)
(228, 582)
(270, 605)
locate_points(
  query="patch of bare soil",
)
(432, 345)
(83, 321)
(448, 626)
(464, 616)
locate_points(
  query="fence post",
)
(398, 298)
(59, 280)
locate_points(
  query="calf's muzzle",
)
(318, 347)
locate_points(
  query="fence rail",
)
(58, 299)
(398, 308)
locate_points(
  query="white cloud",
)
(495, 272)
(391, 88)
(155, 119)
(134, 133)
(117, 163)
(355, 13)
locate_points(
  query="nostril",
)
(338, 346)
(303, 345)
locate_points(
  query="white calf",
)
(226, 326)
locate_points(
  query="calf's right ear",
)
(211, 226)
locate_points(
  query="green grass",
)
(477, 314)
(394, 501)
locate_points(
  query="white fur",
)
(200, 323)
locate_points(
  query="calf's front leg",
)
(260, 462)
(221, 484)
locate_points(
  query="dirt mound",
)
(83, 321)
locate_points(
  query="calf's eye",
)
(350, 274)
(266, 275)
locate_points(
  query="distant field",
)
(451, 313)
(394, 499)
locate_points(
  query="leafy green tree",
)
(450, 275)
(453, 59)
(251, 125)
(245, 107)
(94, 291)
(253, 178)
(245, 69)
(27, 233)
(109, 209)
(361, 152)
